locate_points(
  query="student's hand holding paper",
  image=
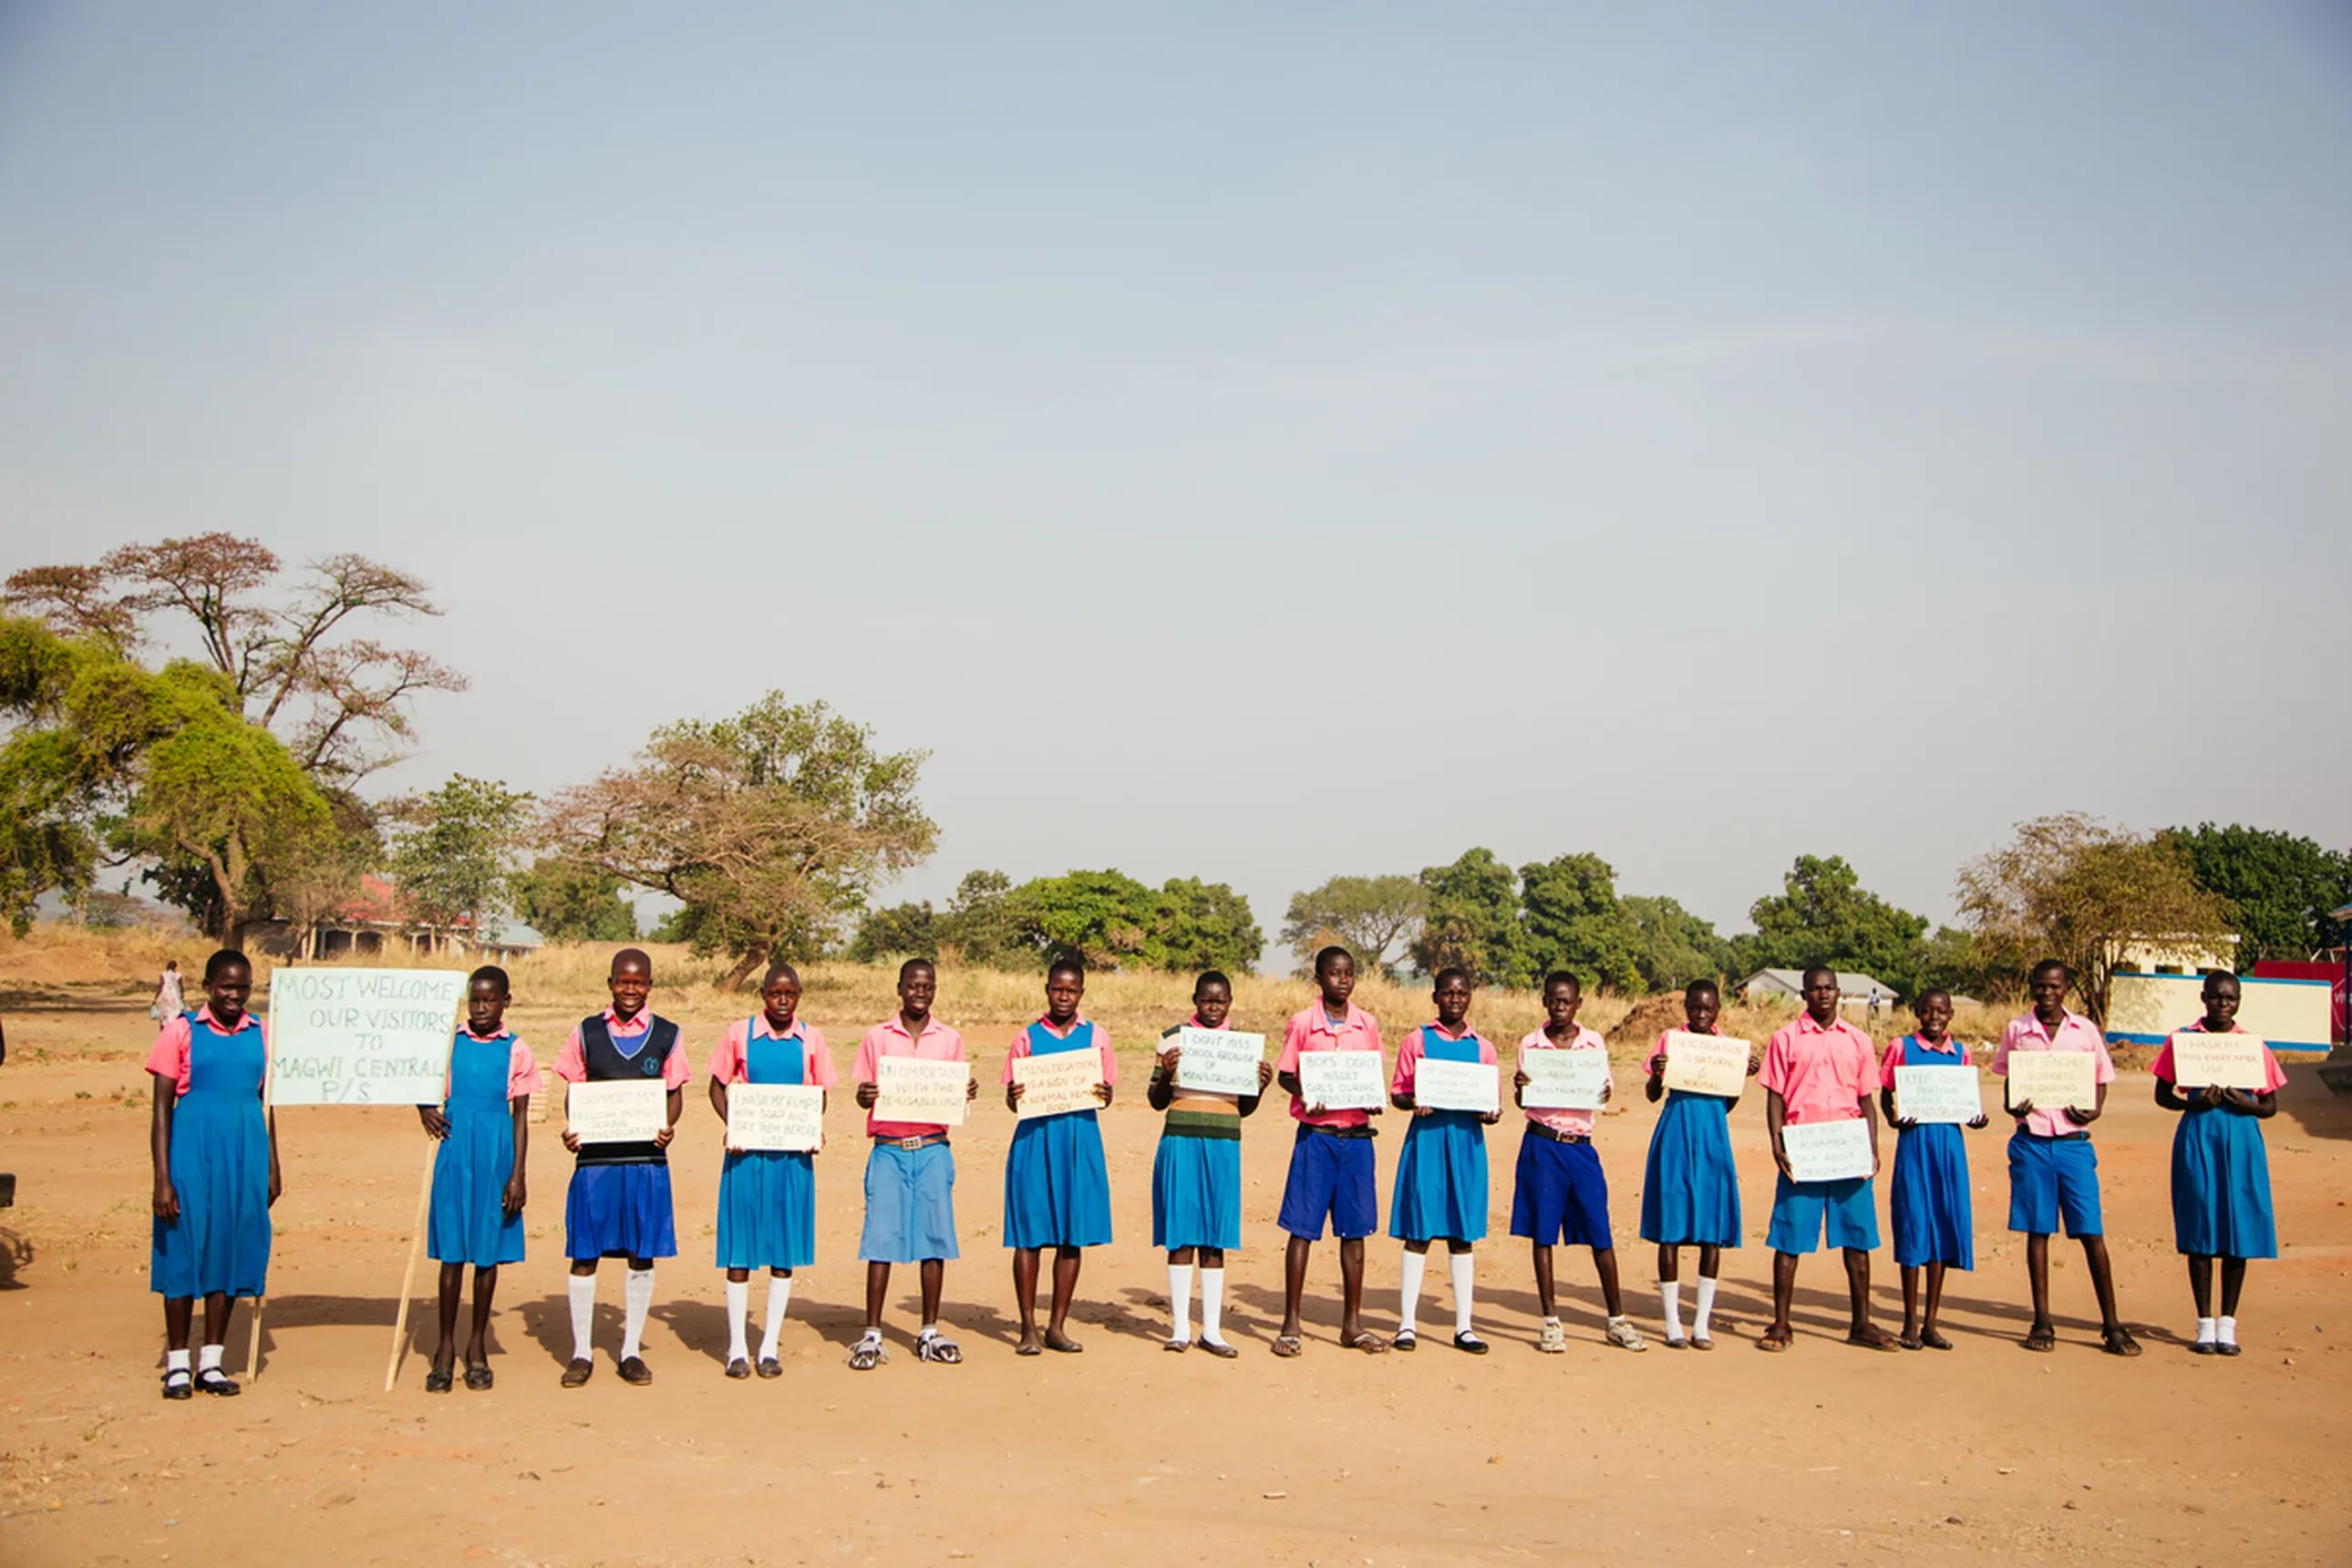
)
(865, 1093)
(662, 1138)
(572, 1140)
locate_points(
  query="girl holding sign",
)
(1690, 1187)
(2221, 1171)
(484, 1126)
(1057, 1187)
(1558, 1193)
(215, 1150)
(1935, 1226)
(1441, 1178)
(767, 1198)
(1196, 1176)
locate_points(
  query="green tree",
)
(1205, 925)
(1672, 946)
(2280, 885)
(1105, 918)
(1472, 921)
(564, 900)
(452, 859)
(54, 779)
(771, 828)
(1575, 922)
(1823, 915)
(980, 923)
(1369, 916)
(902, 930)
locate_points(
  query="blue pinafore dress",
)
(1690, 1185)
(1057, 1186)
(1441, 1178)
(767, 1198)
(1934, 1220)
(469, 1222)
(219, 1166)
(2221, 1185)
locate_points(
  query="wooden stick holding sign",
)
(408, 1280)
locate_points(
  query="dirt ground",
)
(1826, 1454)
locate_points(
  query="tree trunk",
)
(742, 970)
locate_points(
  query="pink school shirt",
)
(2075, 1033)
(1102, 1045)
(889, 1038)
(522, 1068)
(1958, 1056)
(1821, 1071)
(1410, 1050)
(170, 1056)
(1312, 1031)
(727, 1062)
(572, 1062)
(1578, 1122)
(2274, 1075)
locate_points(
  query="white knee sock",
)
(2204, 1330)
(177, 1361)
(1180, 1302)
(2225, 1332)
(779, 1297)
(1704, 1316)
(1670, 1293)
(636, 1300)
(1461, 1264)
(209, 1359)
(1213, 1306)
(738, 1307)
(582, 1288)
(1410, 1273)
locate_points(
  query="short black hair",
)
(779, 967)
(1330, 956)
(632, 955)
(1931, 991)
(1562, 977)
(1698, 988)
(2214, 976)
(1068, 963)
(1451, 972)
(226, 958)
(912, 965)
(495, 975)
(1818, 969)
(1211, 977)
(2047, 964)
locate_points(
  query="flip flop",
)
(2041, 1338)
(2117, 1340)
(1286, 1345)
(1912, 1342)
(1369, 1343)
(1934, 1339)
(1874, 1339)
(1775, 1339)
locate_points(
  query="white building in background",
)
(1854, 990)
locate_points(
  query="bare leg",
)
(2233, 1282)
(2103, 1280)
(2037, 1278)
(218, 1307)
(1024, 1295)
(2200, 1284)
(1670, 1264)
(877, 1291)
(1066, 1260)
(478, 1346)
(1910, 1302)
(1784, 1291)
(1294, 1282)
(1351, 1290)
(1604, 1263)
(1710, 1261)
(1934, 1297)
(935, 1278)
(1857, 1289)
(1543, 1280)
(179, 1314)
(453, 1290)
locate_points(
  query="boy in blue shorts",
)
(1330, 1158)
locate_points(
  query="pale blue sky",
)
(1256, 442)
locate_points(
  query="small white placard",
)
(921, 1089)
(775, 1116)
(617, 1110)
(1216, 1061)
(1456, 1086)
(1827, 1151)
(2201, 1060)
(2053, 1080)
(1057, 1084)
(1342, 1081)
(1707, 1063)
(1563, 1080)
(1937, 1094)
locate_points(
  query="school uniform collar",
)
(1194, 1023)
(1538, 1040)
(759, 1029)
(1080, 1022)
(2032, 1021)
(642, 1021)
(1435, 1028)
(2199, 1028)
(467, 1029)
(897, 1026)
(1319, 1019)
(1805, 1026)
(205, 1016)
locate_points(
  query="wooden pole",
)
(252, 1344)
(408, 1280)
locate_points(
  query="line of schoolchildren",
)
(214, 1155)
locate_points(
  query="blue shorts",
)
(1558, 1193)
(910, 1204)
(1330, 1176)
(1801, 1211)
(2050, 1179)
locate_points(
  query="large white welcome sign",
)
(361, 1037)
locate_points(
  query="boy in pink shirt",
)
(1821, 1068)
(1331, 1163)
(2054, 1174)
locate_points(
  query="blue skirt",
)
(619, 1211)
(910, 1204)
(1057, 1187)
(470, 1171)
(1440, 1179)
(1196, 1192)
(1934, 1222)
(767, 1210)
(1690, 1187)
(219, 1166)
(2221, 1187)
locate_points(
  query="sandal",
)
(439, 1381)
(1912, 1342)
(1219, 1348)
(2117, 1340)
(1776, 1339)
(867, 1354)
(1934, 1339)
(1466, 1341)
(580, 1370)
(1369, 1343)
(1286, 1345)
(1027, 1347)
(1406, 1341)
(2041, 1338)
(1061, 1344)
(178, 1384)
(1874, 1338)
(935, 1346)
(478, 1377)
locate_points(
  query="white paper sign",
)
(1929, 1094)
(773, 1116)
(2053, 1080)
(1827, 1151)
(1342, 1081)
(1564, 1080)
(1216, 1061)
(1707, 1063)
(1455, 1085)
(361, 1037)
(617, 1110)
(2201, 1060)
(1060, 1083)
(918, 1089)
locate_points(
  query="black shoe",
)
(579, 1372)
(177, 1385)
(738, 1369)
(770, 1367)
(212, 1381)
(478, 1376)
(635, 1371)
(439, 1381)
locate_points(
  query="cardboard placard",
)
(921, 1089)
(1564, 1080)
(618, 1110)
(1216, 1061)
(2053, 1080)
(361, 1037)
(1342, 1081)
(2201, 1060)
(1057, 1084)
(1456, 1086)
(1937, 1094)
(775, 1116)
(1707, 1063)
(1827, 1151)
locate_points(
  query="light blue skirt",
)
(219, 1166)
(1690, 1188)
(1057, 1186)
(469, 1222)
(767, 1210)
(1440, 1179)
(2221, 1187)
(910, 1204)
(1934, 1220)
(1196, 1192)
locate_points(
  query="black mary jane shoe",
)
(178, 1384)
(212, 1381)
(738, 1369)
(477, 1376)
(439, 1380)
(768, 1366)
(1471, 1344)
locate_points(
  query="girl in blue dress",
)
(1057, 1186)
(1935, 1223)
(1441, 1178)
(484, 1127)
(767, 1198)
(1690, 1187)
(215, 1150)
